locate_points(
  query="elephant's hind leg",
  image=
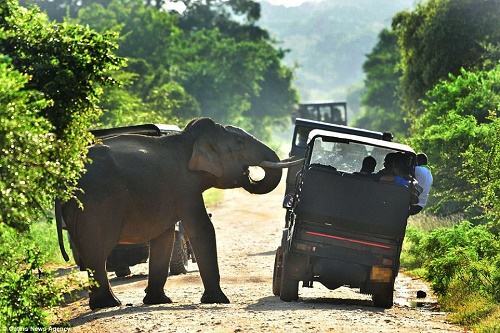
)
(94, 258)
(160, 250)
(101, 295)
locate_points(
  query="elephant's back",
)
(101, 175)
(138, 163)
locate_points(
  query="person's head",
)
(401, 166)
(421, 159)
(389, 160)
(369, 164)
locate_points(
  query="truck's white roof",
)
(360, 139)
(164, 127)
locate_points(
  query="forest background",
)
(432, 77)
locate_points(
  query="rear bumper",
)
(337, 259)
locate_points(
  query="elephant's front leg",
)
(201, 234)
(160, 250)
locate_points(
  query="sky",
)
(289, 3)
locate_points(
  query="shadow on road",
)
(62, 271)
(267, 253)
(118, 281)
(270, 303)
(273, 303)
(137, 309)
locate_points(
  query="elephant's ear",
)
(205, 158)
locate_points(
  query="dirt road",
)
(248, 229)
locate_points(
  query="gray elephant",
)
(137, 187)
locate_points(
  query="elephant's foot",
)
(156, 298)
(214, 297)
(103, 301)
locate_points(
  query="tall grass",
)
(429, 222)
(45, 236)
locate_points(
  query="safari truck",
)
(327, 112)
(123, 256)
(344, 227)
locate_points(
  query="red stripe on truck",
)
(383, 246)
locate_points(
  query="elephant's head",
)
(227, 152)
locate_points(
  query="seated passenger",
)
(368, 167)
(388, 169)
(395, 169)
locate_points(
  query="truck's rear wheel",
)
(179, 259)
(383, 296)
(289, 290)
(277, 272)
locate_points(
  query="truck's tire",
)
(289, 290)
(179, 259)
(123, 271)
(383, 296)
(278, 259)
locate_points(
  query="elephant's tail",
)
(59, 222)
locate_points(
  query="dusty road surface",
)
(248, 229)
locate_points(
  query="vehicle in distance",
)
(327, 112)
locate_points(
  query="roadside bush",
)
(51, 76)
(25, 290)
(464, 254)
(463, 265)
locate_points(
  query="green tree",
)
(68, 65)
(380, 100)
(219, 73)
(441, 37)
(148, 38)
(459, 132)
(219, 14)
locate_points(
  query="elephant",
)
(137, 187)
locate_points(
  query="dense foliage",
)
(211, 60)
(51, 76)
(435, 39)
(441, 37)
(459, 132)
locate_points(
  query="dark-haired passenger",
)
(368, 166)
(395, 169)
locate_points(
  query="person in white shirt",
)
(423, 176)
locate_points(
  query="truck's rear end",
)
(347, 228)
(351, 228)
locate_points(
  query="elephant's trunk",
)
(272, 177)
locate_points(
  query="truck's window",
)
(346, 157)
